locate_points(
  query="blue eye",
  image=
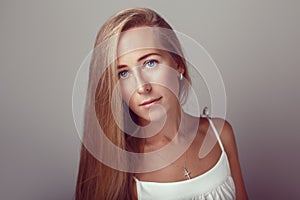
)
(123, 74)
(151, 63)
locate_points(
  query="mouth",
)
(150, 102)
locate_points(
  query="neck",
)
(162, 132)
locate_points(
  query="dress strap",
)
(207, 115)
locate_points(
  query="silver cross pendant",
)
(187, 173)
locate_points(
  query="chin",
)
(157, 114)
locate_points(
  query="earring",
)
(181, 76)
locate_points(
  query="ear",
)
(180, 69)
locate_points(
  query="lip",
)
(150, 102)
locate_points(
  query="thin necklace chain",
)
(186, 172)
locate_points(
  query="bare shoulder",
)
(225, 130)
(222, 126)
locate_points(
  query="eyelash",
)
(144, 65)
(120, 74)
(149, 61)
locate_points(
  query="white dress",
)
(214, 184)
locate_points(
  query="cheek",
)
(127, 90)
(167, 77)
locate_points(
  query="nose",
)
(143, 86)
(144, 89)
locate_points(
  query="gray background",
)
(42, 44)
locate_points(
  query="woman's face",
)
(148, 77)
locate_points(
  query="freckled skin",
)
(147, 74)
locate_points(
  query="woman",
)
(138, 80)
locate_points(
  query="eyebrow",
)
(140, 59)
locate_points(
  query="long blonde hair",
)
(96, 180)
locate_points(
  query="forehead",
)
(134, 57)
(139, 38)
